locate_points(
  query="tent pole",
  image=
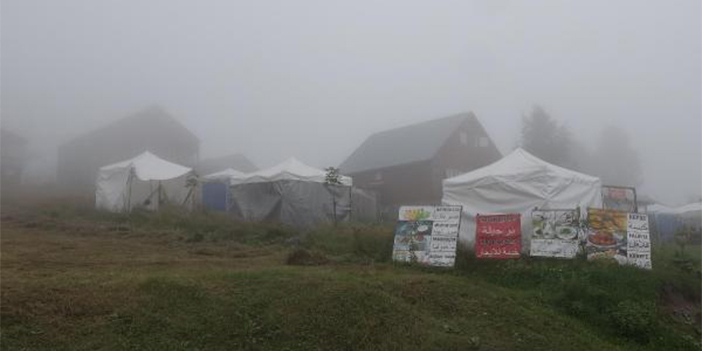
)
(129, 195)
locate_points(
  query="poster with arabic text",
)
(618, 236)
(427, 235)
(498, 236)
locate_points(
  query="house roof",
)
(237, 162)
(408, 144)
(153, 118)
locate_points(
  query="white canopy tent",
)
(292, 193)
(144, 181)
(225, 175)
(290, 169)
(693, 210)
(518, 183)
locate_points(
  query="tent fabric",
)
(148, 166)
(291, 169)
(215, 189)
(658, 208)
(689, 210)
(291, 193)
(226, 174)
(667, 220)
(518, 183)
(145, 181)
(297, 203)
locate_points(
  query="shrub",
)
(634, 320)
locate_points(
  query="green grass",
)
(67, 286)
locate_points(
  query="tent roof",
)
(225, 174)
(148, 166)
(689, 209)
(236, 161)
(658, 208)
(290, 169)
(518, 165)
(412, 143)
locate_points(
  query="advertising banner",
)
(498, 236)
(638, 241)
(619, 198)
(618, 236)
(555, 233)
(427, 235)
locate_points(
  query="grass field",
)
(74, 278)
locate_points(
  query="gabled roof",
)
(408, 144)
(237, 162)
(153, 118)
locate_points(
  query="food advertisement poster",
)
(619, 236)
(606, 239)
(498, 236)
(555, 233)
(638, 241)
(619, 198)
(427, 235)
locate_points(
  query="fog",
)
(313, 79)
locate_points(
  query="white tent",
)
(225, 175)
(290, 169)
(215, 189)
(659, 208)
(291, 193)
(144, 181)
(693, 210)
(518, 183)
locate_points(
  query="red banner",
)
(498, 236)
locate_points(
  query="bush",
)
(634, 320)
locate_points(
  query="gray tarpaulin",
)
(293, 202)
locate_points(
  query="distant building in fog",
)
(238, 162)
(151, 129)
(13, 157)
(406, 166)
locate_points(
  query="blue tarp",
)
(214, 196)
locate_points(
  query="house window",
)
(483, 142)
(452, 172)
(464, 138)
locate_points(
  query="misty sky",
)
(313, 79)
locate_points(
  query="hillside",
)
(73, 278)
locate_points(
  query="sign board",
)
(619, 198)
(498, 236)
(618, 236)
(427, 235)
(555, 233)
(638, 241)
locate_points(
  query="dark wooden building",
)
(237, 162)
(13, 157)
(152, 129)
(405, 166)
